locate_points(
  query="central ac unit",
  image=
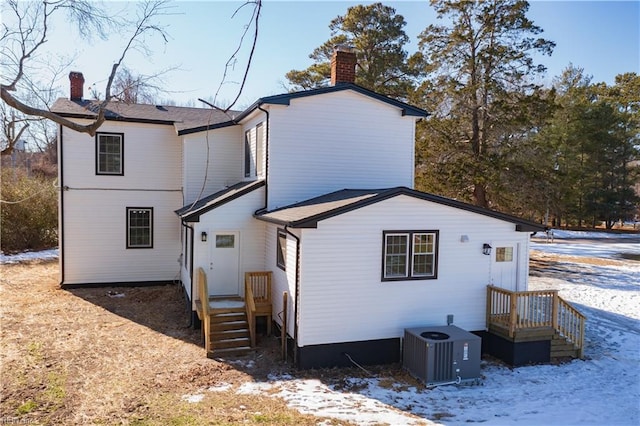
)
(441, 354)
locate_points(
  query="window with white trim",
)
(281, 250)
(409, 255)
(110, 154)
(139, 227)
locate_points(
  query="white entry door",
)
(224, 259)
(504, 265)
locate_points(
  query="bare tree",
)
(24, 33)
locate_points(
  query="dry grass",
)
(86, 357)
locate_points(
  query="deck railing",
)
(257, 294)
(517, 310)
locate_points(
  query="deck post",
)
(555, 310)
(513, 313)
(489, 306)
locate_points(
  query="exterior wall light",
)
(203, 237)
(486, 249)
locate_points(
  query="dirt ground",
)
(117, 356)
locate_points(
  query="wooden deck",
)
(528, 316)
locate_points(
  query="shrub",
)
(28, 212)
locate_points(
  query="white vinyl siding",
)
(101, 255)
(94, 219)
(152, 158)
(236, 216)
(342, 273)
(212, 161)
(283, 280)
(324, 143)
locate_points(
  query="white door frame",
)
(506, 270)
(224, 264)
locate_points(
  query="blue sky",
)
(603, 37)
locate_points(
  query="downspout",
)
(61, 212)
(266, 159)
(191, 317)
(296, 297)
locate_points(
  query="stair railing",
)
(250, 305)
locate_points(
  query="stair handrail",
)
(250, 305)
(203, 295)
(571, 324)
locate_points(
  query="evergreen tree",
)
(480, 91)
(376, 32)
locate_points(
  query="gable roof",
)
(308, 213)
(181, 117)
(192, 211)
(285, 99)
(192, 120)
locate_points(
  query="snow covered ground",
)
(593, 271)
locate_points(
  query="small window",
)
(247, 153)
(109, 154)
(504, 254)
(225, 241)
(281, 251)
(139, 227)
(409, 255)
(259, 150)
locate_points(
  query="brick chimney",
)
(343, 65)
(77, 85)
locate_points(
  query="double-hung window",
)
(409, 255)
(110, 154)
(139, 227)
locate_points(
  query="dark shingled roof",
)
(191, 120)
(285, 99)
(308, 213)
(192, 211)
(181, 117)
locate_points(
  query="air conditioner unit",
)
(441, 354)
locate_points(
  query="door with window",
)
(504, 265)
(224, 260)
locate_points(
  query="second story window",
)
(259, 150)
(110, 154)
(247, 153)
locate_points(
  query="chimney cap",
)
(344, 48)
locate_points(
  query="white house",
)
(315, 186)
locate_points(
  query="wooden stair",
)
(229, 332)
(562, 349)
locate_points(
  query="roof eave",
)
(198, 129)
(194, 215)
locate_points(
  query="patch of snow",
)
(29, 255)
(222, 387)
(193, 399)
(590, 235)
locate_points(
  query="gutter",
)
(296, 297)
(191, 317)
